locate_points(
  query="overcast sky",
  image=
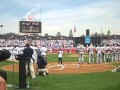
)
(62, 15)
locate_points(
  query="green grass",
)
(54, 58)
(66, 58)
(89, 81)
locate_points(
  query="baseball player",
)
(108, 51)
(103, 54)
(99, 54)
(91, 53)
(117, 53)
(81, 50)
(113, 49)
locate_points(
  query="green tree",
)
(108, 33)
(96, 34)
(46, 35)
(82, 35)
(58, 34)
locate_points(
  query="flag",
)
(74, 29)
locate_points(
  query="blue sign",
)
(87, 39)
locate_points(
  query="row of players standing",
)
(104, 54)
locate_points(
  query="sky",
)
(62, 15)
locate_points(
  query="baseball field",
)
(69, 76)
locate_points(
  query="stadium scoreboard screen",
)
(30, 27)
(87, 39)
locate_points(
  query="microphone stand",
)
(13, 67)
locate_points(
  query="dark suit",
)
(27, 53)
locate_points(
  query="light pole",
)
(101, 36)
(1, 28)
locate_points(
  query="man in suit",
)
(27, 53)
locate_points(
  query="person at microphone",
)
(27, 53)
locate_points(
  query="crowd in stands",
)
(52, 45)
(15, 45)
(112, 41)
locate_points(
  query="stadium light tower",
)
(1, 28)
(101, 36)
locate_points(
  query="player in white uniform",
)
(91, 53)
(81, 50)
(34, 53)
(117, 53)
(99, 54)
(113, 49)
(103, 54)
(14, 52)
(43, 50)
(108, 51)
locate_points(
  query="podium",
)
(22, 71)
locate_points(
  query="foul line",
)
(52, 66)
(63, 66)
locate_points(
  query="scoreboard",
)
(29, 27)
(87, 39)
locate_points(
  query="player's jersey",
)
(99, 50)
(43, 50)
(107, 49)
(91, 49)
(113, 48)
(81, 48)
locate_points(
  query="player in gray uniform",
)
(91, 53)
(81, 50)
